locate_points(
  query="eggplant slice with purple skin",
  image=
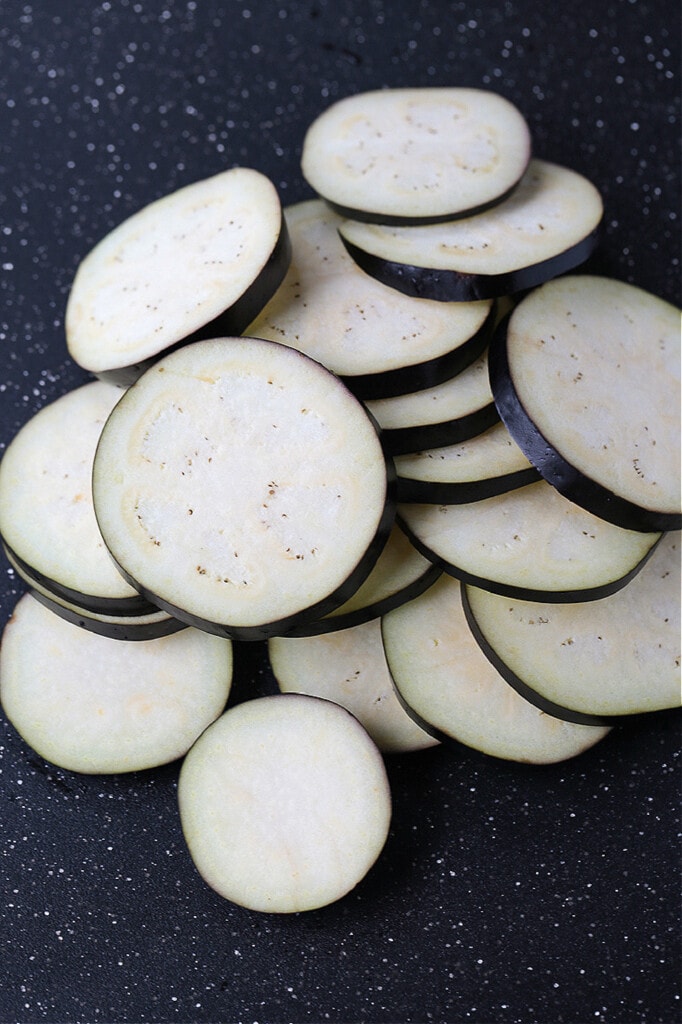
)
(611, 659)
(548, 226)
(199, 262)
(586, 377)
(240, 486)
(380, 343)
(416, 155)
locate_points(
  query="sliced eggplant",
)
(490, 463)
(47, 521)
(548, 226)
(349, 667)
(530, 543)
(95, 705)
(399, 574)
(453, 411)
(450, 688)
(416, 155)
(199, 262)
(586, 376)
(380, 343)
(284, 803)
(610, 658)
(240, 486)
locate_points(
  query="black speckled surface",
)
(506, 894)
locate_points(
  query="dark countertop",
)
(505, 893)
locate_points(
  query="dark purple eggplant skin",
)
(232, 322)
(525, 593)
(418, 377)
(429, 492)
(113, 630)
(552, 466)
(90, 603)
(422, 436)
(453, 286)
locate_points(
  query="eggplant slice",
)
(451, 689)
(96, 705)
(284, 803)
(380, 343)
(586, 377)
(416, 155)
(241, 487)
(349, 667)
(199, 262)
(530, 543)
(548, 226)
(47, 520)
(611, 658)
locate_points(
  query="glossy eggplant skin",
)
(552, 466)
(439, 492)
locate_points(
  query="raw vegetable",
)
(548, 226)
(416, 155)
(199, 262)
(284, 803)
(451, 689)
(98, 706)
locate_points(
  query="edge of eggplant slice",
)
(441, 492)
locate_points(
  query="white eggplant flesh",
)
(616, 657)
(549, 225)
(379, 342)
(241, 487)
(530, 542)
(490, 463)
(285, 803)
(586, 376)
(415, 155)
(450, 687)
(96, 705)
(349, 667)
(47, 520)
(198, 262)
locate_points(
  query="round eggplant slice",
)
(453, 411)
(586, 376)
(530, 543)
(548, 226)
(47, 520)
(140, 626)
(95, 705)
(284, 803)
(449, 686)
(481, 467)
(610, 658)
(378, 342)
(416, 155)
(399, 574)
(349, 667)
(199, 262)
(241, 487)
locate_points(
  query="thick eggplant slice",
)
(100, 706)
(380, 343)
(199, 262)
(490, 463)
(416, 155)
(530, 543)
(240, 486)
(610, 658)
(47, 520)
(284, 803)
(453, 411)
(586, 376)
(548, 226)
(349, 667)
(450, 688)
(399, 574)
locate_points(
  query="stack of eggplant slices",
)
(397, 433)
